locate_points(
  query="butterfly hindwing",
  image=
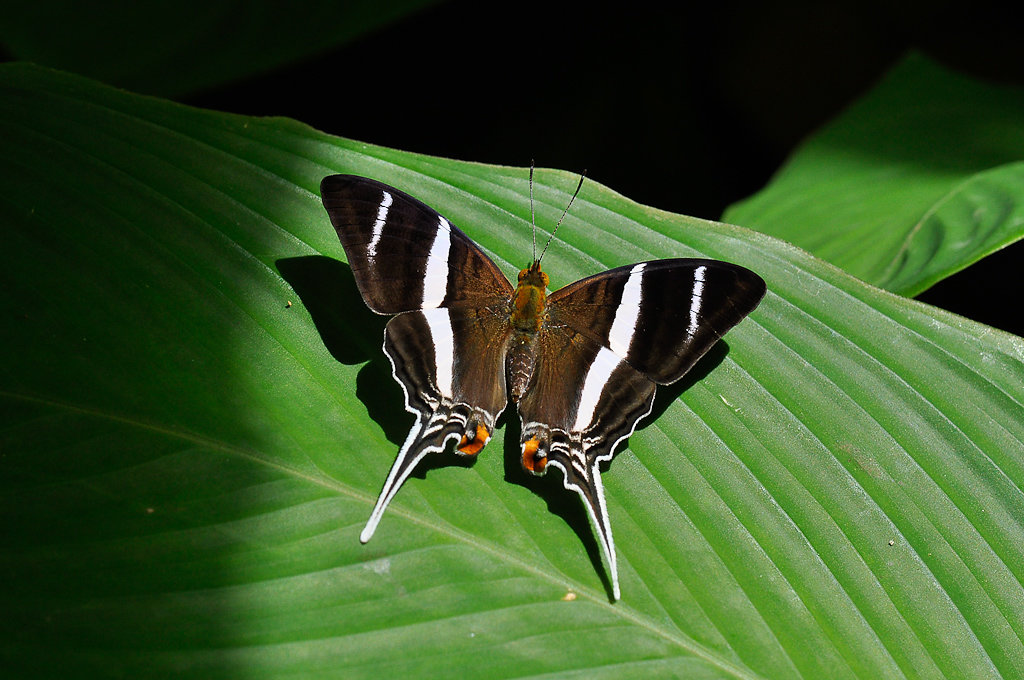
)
(583, 400)
(451, 366)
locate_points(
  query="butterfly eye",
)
(523, 273)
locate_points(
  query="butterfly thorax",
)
(527, 315)
(529, 298)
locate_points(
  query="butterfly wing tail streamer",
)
(587, 483)
(426, 436)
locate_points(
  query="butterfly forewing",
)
(404, 254)
(660, 316)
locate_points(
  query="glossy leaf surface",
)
(196, 419)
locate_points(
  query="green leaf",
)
(187, 46)
(915, 182)
(186, 459)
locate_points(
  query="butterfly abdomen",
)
(521, 362)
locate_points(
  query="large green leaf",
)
(919, 179)
(179, 48)
(196, 419)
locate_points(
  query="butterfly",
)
(581, 364)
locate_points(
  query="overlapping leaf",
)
(918, 180)
(197, 418)
(177, 49)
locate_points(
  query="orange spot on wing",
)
(530, 460)
(471, 447)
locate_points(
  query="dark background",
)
(687, 110)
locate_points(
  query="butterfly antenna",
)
(564, 213)
(533, 219)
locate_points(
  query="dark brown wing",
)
(451, 366)
(583, 400)
(448, 342)
(403, 253)
(660, 316)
